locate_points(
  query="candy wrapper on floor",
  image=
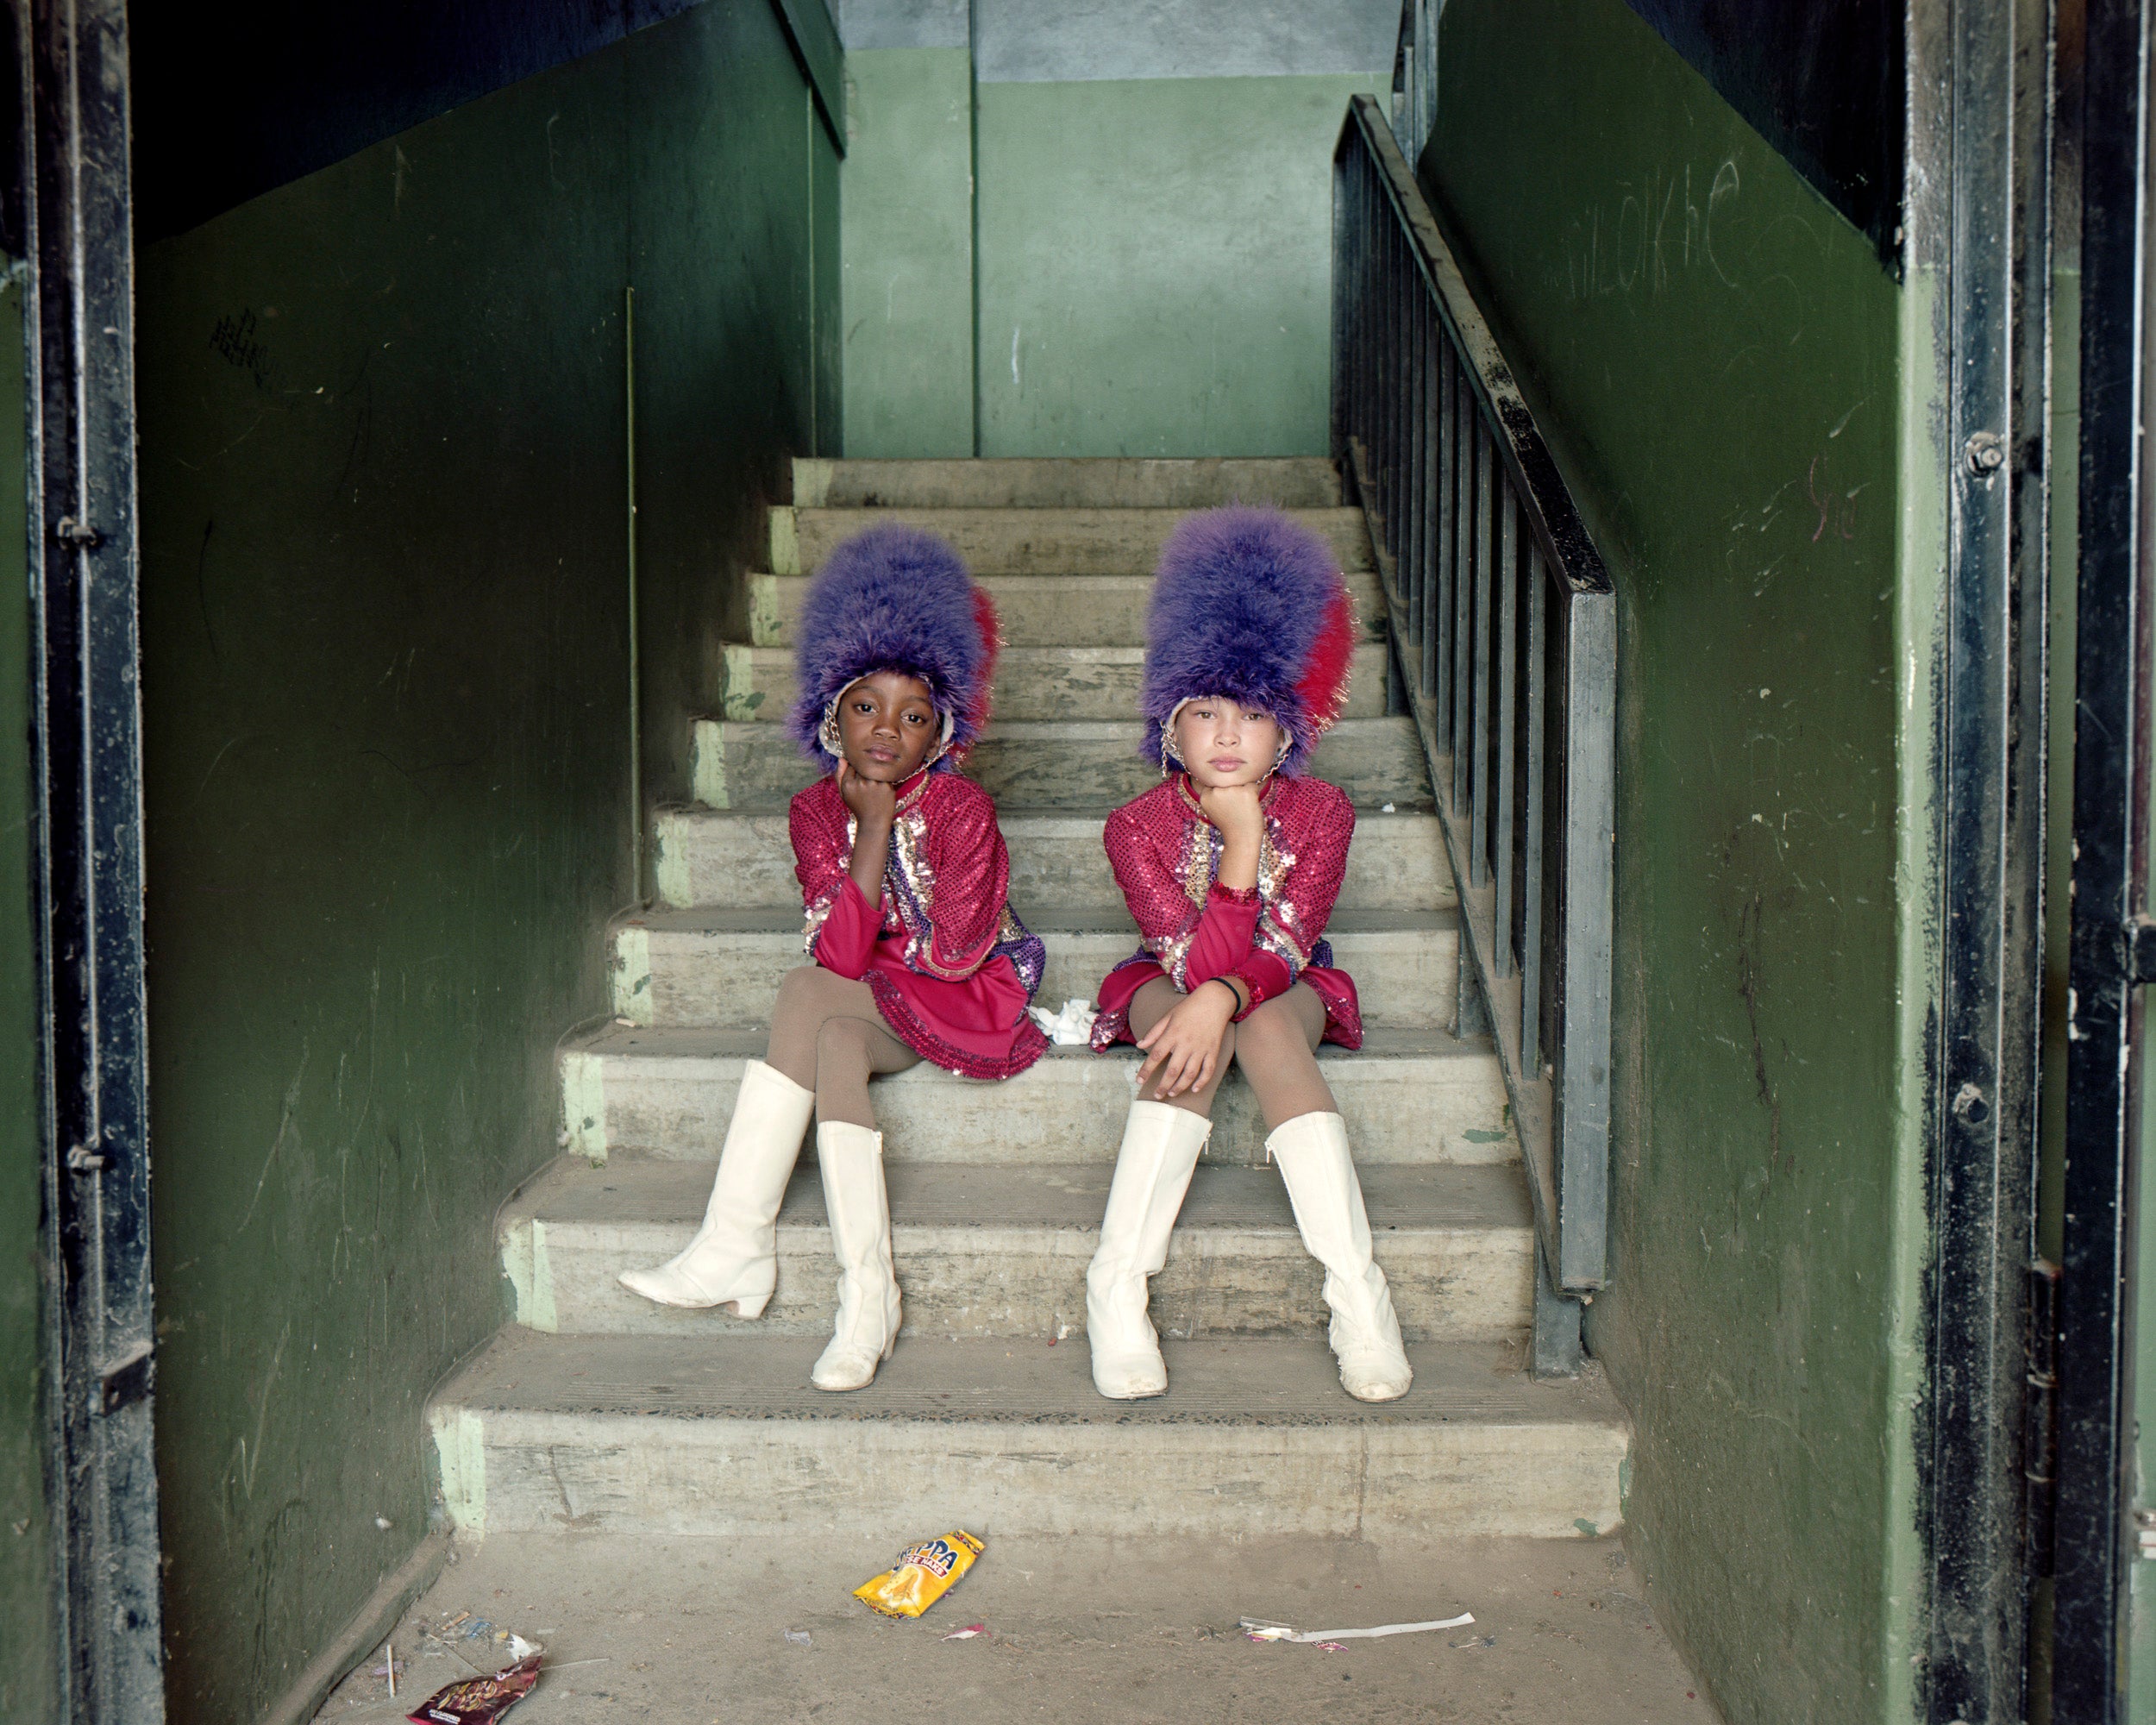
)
(480, 1700)
(922, 1576)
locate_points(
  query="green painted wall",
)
(1155, 265)
(1713, 351)
(826, 293)
(1151, 259)
(387, 685)
(29, 1651)
(735, 297)
(907, 247)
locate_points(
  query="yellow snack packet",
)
(923, 1575)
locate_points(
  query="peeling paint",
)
(584, 1104)
(632, 974)
(707, 782)
(786, 544)
(459, 1443)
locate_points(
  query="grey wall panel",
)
(902, 23)
(1051, 41)
(1055, 42)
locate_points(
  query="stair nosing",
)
(1471, 1199)
(1384, 1042)
(1511, 1403)
(1045, 920)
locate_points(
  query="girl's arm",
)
(842, 921)
(874, 807)
(971, 867)
(1295, 920)
(1223, 948)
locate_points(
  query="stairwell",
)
(596, 1411)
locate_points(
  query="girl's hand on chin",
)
(873, 802)
(1233, 808)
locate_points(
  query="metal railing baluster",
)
(1502, 959)
(1531, 952)
(1418, 395)
(1404, 395)
(1485, 573)
(1463, 592)
(1430, 576)
(1426, 482)
(1437, 649)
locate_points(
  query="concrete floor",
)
(692, 1631)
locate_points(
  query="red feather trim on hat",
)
(985, 619)
(1324, 684)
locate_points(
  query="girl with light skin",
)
(1231, 866)
(1229, 754)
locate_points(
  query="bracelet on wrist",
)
(1234, 993)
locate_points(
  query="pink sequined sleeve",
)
(968, 874)
(1149, 883)
(1223, 947)
(848, 938)
(1315, 832)
(842, 925)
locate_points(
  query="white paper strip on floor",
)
(1259, 1630)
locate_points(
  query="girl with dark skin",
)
(914, 953)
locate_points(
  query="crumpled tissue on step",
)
(1071, 1026)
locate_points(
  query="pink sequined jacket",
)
(951, 968)
(1166, 855)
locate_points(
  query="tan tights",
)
(827, 1036)
(1276, 1045)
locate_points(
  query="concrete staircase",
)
(597, 1411)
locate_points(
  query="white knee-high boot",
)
(852, 1157)
(734, 1259)
(1312, 1150)
(1152, 1172)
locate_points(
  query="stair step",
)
(711, 856)
(1303, 482)
(1076, 763)
(1038, 542)
(722, 967)
(1407, 1096)
(1032, 682)
(1047, 610)
(1002, 1252)
(721, 1435)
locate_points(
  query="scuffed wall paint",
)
(385, 655)
(1714, 354)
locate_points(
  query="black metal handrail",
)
(1504, 630)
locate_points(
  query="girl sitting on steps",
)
(1231, 866)
(916, 953)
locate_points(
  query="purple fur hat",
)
(1250, 606)
(894, 598)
